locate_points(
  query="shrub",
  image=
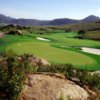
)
(12, 74)
(55, 68)
(93, 81)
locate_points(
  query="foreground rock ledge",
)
(51, 87)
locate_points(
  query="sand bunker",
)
(91, 50)
(43, 39)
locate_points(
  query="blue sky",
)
(50, 9)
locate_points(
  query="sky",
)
(50, 9)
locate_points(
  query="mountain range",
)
(5, 20)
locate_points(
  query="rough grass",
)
(92, 35)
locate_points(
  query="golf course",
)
(57, 48)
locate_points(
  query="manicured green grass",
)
(63, 39)
(84, 67)
(50, 53)
(52, 50)
(9, 39)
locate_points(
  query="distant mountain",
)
(91, 18)
(30, 22)
(33, 22)
(63, 21)
(5, 19)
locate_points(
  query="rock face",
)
(51, 87)
(38, 61)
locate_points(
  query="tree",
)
(81, 34)
(68, 30)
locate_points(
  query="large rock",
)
(38, 61)
(35, 61)
(51, 87)
(95, 72)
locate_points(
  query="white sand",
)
(91, 50)
(43, 39)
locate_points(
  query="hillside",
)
(90, 18)
(91, 29)
(86, 26)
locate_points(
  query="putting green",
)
(52, 54)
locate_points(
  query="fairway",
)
(69, 40)
(52, 54)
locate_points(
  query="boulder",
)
(38, 61)
(51, 87)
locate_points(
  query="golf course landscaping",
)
(59, 48)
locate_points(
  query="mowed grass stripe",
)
(52, 54)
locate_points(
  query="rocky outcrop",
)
(51, 87)
(95, 72)
(14, 32)
(33, 60)
(38, 61)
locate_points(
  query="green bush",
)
(12, 74)
(94, 81)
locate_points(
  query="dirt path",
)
(91, 50)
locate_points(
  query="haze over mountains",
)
(33, 22)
